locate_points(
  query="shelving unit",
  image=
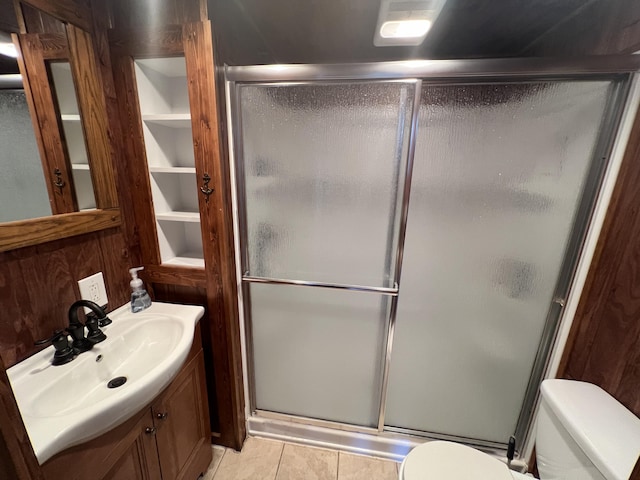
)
(72, 127)
(166, 123)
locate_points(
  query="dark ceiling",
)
(8, 24)
(336, 31)
(8, 21)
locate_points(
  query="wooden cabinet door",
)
(140, 459)
(127, 452)
(182, 422)
(36, 51)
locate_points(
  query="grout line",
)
(279, 461)
(224, 452)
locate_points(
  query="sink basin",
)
(66, 405)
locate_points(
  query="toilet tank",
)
(584, 433)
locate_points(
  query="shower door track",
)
(446, 70)
(392, 443)
(393, 431)
(621, 68)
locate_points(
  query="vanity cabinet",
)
(168, 440)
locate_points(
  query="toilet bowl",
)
(453, 461)
(582, 433)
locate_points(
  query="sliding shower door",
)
(321, 173)
(407, 246)
(499, 175)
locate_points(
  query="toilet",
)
(583, 433)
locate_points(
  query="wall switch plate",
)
(92, 288)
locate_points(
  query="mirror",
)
(47, 76)
(63, 88)
(23, 193)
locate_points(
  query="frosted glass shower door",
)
(498, 177)
(320, 171)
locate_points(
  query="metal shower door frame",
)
(618, 69)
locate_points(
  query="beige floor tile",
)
(307, 463)
(359, 467)
(258, 461)
(218, 453)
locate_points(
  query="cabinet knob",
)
(150, 430)
(162, 416)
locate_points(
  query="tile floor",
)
(263, 459)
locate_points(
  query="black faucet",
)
(95, 320)
(67, 351)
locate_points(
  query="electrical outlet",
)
(92, 288)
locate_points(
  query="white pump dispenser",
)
(139, 297)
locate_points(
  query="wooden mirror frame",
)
(92, 102)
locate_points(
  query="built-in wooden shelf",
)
(166, 124)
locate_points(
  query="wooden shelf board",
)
(187, 260)
(173, 120)
(178, 216)
(182, 170)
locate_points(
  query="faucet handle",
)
(102, 321)
(95, 335)
(64, 351)
(46, 340)
(58, 336)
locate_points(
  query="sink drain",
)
(117, 382)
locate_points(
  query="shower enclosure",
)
(408, 234)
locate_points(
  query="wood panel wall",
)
(604, 343)
(39, 283)
(635, 475)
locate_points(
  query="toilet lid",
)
(451, 461)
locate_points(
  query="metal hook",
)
(205, 187)
(60, 183)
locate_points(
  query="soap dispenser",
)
(139, 297)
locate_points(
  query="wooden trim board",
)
(24, 233)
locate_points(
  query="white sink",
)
(69, 404)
